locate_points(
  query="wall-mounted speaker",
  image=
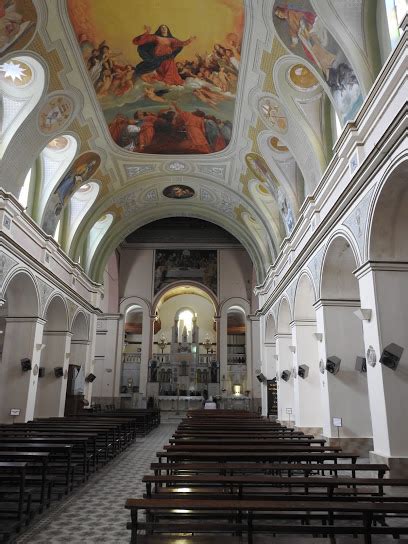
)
(90, 378)
(361, 364)
(391, 356)
(41, 372)
(333, 364)
(303, 371)
(285, 375)
(58, 371)
(25, 364)
(261, 378)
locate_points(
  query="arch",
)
(389, 221)
(96, 235)
(305, 297)
(80, 326)
(235, 302)
(21, 294)
(284, 317)
(270, 329)
(122, 229)
(79, 205)
(56, 314)
(339, 263)
(200, 287)
(128, 302)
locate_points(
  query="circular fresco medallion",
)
(58, 144)
(55, 114)
(277, 145)
(178, 191)
(302, 78)
(273, 114)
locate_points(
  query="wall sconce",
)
(364, 314)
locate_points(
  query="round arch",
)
(80, 326)
(305, 297)
(284, 316)
(21, 293)
(165, 290)
(270, 329)
(340, 260)
(56, 313)
(389, 221)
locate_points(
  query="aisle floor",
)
(95, 512)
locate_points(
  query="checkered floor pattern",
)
(95, 513)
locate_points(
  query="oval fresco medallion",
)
(55, 113)
(273, 114)
(178, 192)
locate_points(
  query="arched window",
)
(95, 236)
(396, 11)
(54, 160)
(80, 203)
(22, 81)
(25, 189)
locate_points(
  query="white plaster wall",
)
(235, 274)
(136, 273)
(347, 392)
(285, 389)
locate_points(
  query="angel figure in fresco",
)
(158, 52)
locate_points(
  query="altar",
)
(180, 403)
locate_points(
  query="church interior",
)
(203, 306)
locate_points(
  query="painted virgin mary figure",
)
(158, 52)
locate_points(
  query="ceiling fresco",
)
(17, 24)
(164, 74)
(306, 35)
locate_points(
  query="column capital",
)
(282, 335)
(303, 323)
(254, 317)
(58, 333)
(25, 319)
(380, 266)
(345, 303)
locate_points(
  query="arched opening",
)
(22, 336)
(77, 387)
(383, 286)
(237, 375)
(306, 357)
(183, 369)
(284, 363)
(132, 354)
(52, 383)
(343, 338)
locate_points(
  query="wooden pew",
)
(237, 516)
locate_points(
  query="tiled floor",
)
(95, 513)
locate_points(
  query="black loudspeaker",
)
(41, 372)
(361, 364)
(25, 364)
(261, 378)
(303, 371)
(90, 378)
(58, 371)
(333, 364)
(391, 356)
(285, 375)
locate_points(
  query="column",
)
(285, 389)
(23, 339)
(119, 355)
(383, 290)
(51, 391)
(308, 408)
(107, 358)
(90, 356)
(268, 369)
(222, 338)
(254, 361)
(344, 395)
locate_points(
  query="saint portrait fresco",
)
(184, 264)
(17, 24)
(55, 114)
(166, 78)
(178, 191)
(78, 174)
(261, 170)
(306, 35)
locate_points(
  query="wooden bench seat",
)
(267, 468)
(255, 456)
(244, 514)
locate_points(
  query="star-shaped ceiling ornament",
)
(12, 71)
